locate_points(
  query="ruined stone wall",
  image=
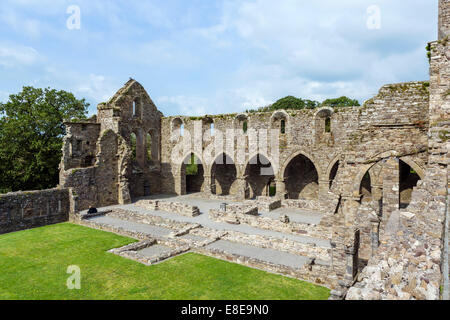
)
(444, 19)
(30, 209)
(299, 138)
(114, 175)
(80, 145)
(407, 265)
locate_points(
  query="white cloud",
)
(96, 87)
(17, 56)
(195, 106)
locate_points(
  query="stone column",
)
(281, 189)
(241, 189)
(351, 252)
(207, 185)
(350, 205)
(377, 197)
(391, 187)
(375, 234)
(324, 187)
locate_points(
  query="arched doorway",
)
(408, 180)
(192, 174)
(333, 173)
(365, 188)
(259, 177)
(301, 179)
(223, 175)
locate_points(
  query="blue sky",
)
(199, 57)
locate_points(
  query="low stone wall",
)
(131, 251)
(267, 204)
(30, 209)
(315, 273)
(327, 204)
(248, 208)
(266, 223)
(174, 207)
(312, 205)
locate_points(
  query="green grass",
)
(33, 265)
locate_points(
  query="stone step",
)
(263, 254)
(242, 248)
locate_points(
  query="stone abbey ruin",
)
(359, 195)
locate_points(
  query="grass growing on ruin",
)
(33, 265)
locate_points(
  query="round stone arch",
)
(296, 154)
(175, 128)
(414, 165)
(239, 120)
(301, 176)
(211, 164)
(328, 110)
(319, 125)
(180, 165)
(331, 165)
(224, 176)
(359, 177)
(275, 167)
(259, 182)
(280, 115)
(181, 184)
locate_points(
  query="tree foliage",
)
(289, 103)
(341, 102)
(31, 132)
(293, 103)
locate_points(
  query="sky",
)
(197, 57)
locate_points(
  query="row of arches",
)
(144, 148)
(279, 120)
(300, 176)
(409, 174)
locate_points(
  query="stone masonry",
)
(378, 173)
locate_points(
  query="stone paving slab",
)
(263, 254)
(193, 237)
(203, 219)
(300, 216)
(154, 250)
(154, 231)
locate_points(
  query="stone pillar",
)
(377, 196)
(241, 189)
(391, 187)
(207, 185)
(375, 234)
(350, 207)
(324, 187)
(351, 252)
(281, 189)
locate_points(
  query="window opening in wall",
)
(133, 146)
(149, 146)
(212, 129)
(283, 127)
(245, 127)
(328, 124)
(182, 130)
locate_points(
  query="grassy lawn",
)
(33, 265)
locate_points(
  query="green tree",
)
(290, 103)
(341, 102)
(31, 132)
